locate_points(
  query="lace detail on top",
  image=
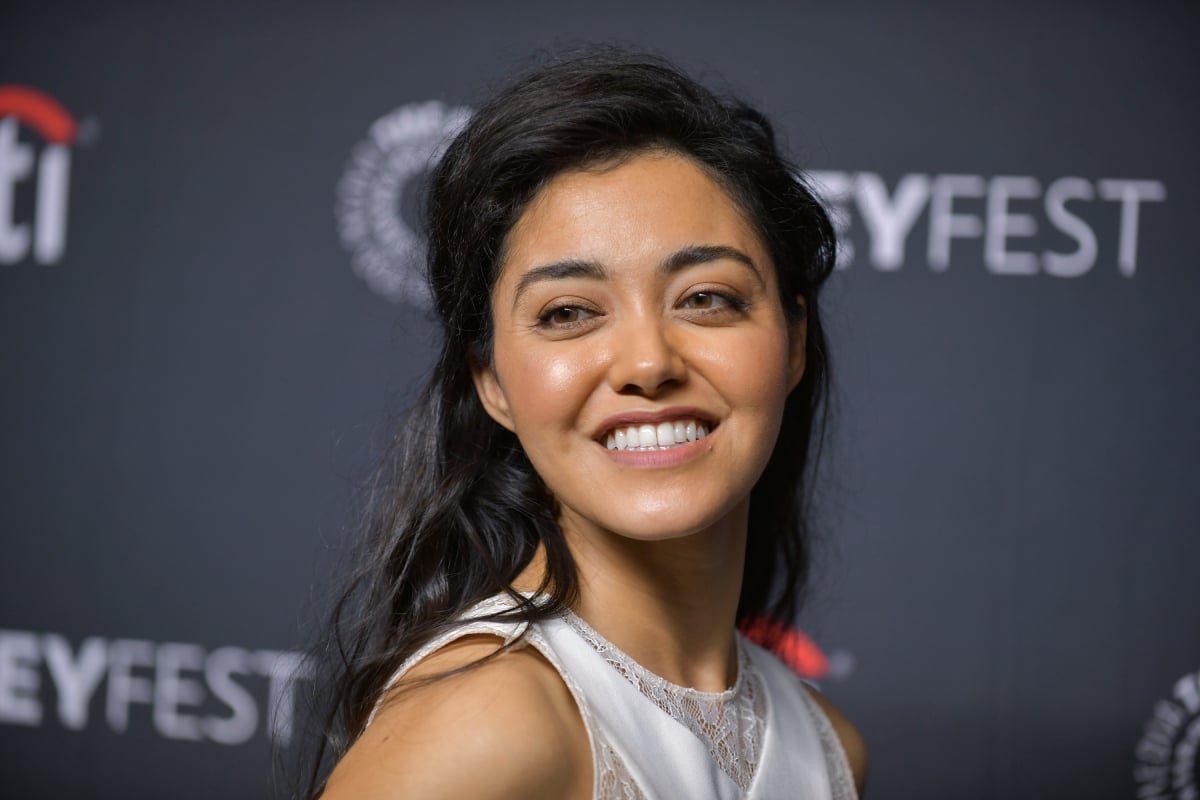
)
(731, 724)
(612, 780)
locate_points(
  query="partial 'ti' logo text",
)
(35, 175)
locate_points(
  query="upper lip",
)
(652, 418)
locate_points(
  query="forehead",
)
(627, 213)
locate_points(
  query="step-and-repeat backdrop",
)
(209, 323)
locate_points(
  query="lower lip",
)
(680, 454)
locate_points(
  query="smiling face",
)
(641, 353)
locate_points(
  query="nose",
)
(646, 361)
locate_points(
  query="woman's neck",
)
(671, 604)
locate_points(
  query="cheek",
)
(753, 369)
(544, 386)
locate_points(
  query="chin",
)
(665, 533)
(663, 521)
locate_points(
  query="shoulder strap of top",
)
(471, 624)
(841, 779)
(801, 743)
(609, 771)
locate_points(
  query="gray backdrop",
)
(200, 359)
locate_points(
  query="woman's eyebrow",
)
(704, 253)
(685, 257)
(567, 268)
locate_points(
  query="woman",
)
(599, 482)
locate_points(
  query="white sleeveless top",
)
(762, 739)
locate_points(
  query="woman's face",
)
(641, 353)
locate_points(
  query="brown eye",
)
(713, 305)
(706, 301)
(564, 316)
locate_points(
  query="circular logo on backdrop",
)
(1168, 755)
(376, 189)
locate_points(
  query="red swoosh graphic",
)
(790, 645)
(39, 111)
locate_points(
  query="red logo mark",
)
(39, 111)
(790, 645)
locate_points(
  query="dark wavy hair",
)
(456, 509)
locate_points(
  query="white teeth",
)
(655, 437)
(666, 434)
(647, 436)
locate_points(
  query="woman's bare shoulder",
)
(508, 728)
(851, 739)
